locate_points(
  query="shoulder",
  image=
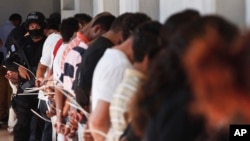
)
(51, 41)
(114, 59)
(53, 37)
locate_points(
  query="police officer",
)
(27, 53)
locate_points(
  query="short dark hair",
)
(117, 24)
(83, 18)
(15, 17)
(104, 21)
(131, 22)
(52, 24)
(56, 17)
(54, 21)
(182, 38)
(177, 21)
(180, 18)
(145, 40)
(68, 27)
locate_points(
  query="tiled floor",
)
(4, 134)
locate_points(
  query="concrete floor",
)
(4, 134)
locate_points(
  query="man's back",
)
(86, 69)
(108, 74)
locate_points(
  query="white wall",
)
(234, 10)
(150, 7)
(86, 6)
(129, 6)
(23, 7)
(247, 7)
(112, 6)
(169, 7)
(117, 7)
(98, 6)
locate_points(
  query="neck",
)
(37, 39)
(139, 67)
(126, 48)
(112, 36)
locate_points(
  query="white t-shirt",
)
(48, 47)
(108, 74)
(46, 59)
(57, 62)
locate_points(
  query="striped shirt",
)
(119, 105)
(72, 61)
(73, 43)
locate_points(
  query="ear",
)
(119, 38)
(97, 29)
(144, 64)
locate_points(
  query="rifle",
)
(31, 82)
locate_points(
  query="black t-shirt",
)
(84, 74)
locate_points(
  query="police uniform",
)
(27, 53)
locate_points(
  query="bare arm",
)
(100, 120)
(41, 69)
(60, 101)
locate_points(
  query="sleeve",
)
(108, 81)
(48, 47)
(12, 56)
